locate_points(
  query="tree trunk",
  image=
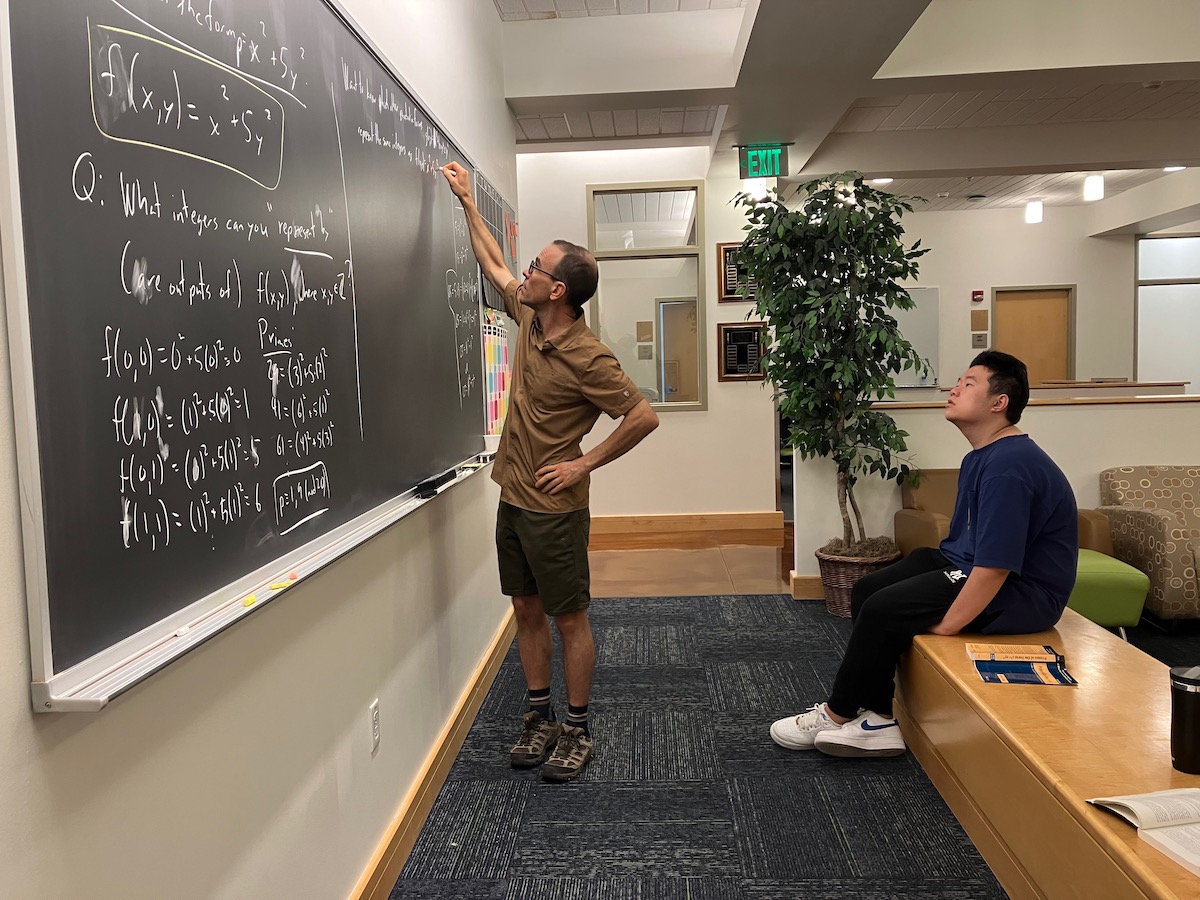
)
(862, 531)
(847, 530)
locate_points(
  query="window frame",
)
(692, 251)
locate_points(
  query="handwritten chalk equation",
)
(300, 496)
(132, 360)
(147, 92)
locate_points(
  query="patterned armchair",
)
(1155, 516)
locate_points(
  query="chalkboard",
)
(252, 311)
(501, 222)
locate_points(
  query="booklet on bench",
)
(1019, 663)
(1169, 821)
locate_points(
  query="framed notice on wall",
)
(740, 351)
(731, 275)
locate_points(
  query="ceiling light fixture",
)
(756, 188)
(881, 181)
(1033, 212)
(977, 198)
(1174, 168)
(1093, 187)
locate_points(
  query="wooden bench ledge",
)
(1016, 763)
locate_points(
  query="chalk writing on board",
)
(462, 296)
(216, 383)
(147, 92)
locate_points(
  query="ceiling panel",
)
(1020, 106)
(523, 10)
(1007, 191)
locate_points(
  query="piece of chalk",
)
(180, 632)
(280, 585)
(249, 601)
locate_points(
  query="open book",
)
(1019, 663)
(1169, 821)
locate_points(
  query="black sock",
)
(577, 717)
(539, 702)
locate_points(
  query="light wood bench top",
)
(1108, 736)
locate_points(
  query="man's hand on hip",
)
(560, 476)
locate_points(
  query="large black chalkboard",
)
(252, 310)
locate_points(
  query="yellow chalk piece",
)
(280, 585)
(249, 601)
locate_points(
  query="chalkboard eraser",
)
(429, 487)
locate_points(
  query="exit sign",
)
(762, 160)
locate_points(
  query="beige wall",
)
(723, 459)
(244, 770)
(1081, 439)
(989, 249)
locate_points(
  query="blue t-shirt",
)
(1015, 510)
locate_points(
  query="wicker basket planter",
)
(840, 573)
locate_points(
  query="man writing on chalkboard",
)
(563, 377)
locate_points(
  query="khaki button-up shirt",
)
(557, 393)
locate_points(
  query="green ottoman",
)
(1107, 591)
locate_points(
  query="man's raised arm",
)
(487, 251)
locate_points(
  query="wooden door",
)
(1034, 326)
(677, 350)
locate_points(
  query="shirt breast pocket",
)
(557, 393)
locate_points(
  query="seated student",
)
(1007, 567)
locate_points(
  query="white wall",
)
(723, 459)
(244, 769)
(988, 249)
(1082, 439)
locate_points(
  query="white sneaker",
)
(868, 735)
(799, 732)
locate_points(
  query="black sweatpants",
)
(889, 608)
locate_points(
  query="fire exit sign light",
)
(762, 160)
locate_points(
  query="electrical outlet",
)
(373, 709)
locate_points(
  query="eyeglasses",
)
(534, 267)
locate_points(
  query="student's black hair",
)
(578, 271)
(1007, 375)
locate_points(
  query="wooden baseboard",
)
(384, 868)
(807, 587)
(687, 531)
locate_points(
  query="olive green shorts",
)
(545, 554)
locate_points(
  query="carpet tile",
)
(687, 797)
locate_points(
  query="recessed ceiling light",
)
(1093, 187)
(881, 181)
(1174, 168)
(1152, 85)
(1033, 212)
(977, 198)
(943, 195)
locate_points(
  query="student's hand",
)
(560, 476)
(459, 178)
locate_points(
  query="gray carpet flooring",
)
(687, 797)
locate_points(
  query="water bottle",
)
(1185, 719)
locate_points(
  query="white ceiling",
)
(974, 100)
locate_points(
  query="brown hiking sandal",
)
(570, 755)
(537, 737)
